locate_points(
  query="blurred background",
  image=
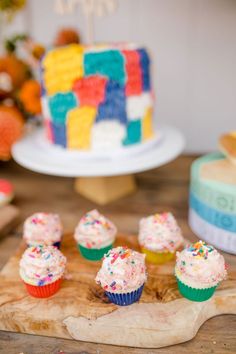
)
(193, 47)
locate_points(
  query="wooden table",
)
(165, 188)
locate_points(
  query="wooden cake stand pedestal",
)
(103, 190)
(100, 176)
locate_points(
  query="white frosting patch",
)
(45, 108)
(107, 134)
(3, 196)
(137, 105)
(103, 47)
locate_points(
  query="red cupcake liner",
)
(44, 290)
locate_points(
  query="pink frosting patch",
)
(6, 187)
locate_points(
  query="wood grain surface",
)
(9, 218)
(81, 310)
(163, 189)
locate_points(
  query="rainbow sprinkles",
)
(200, 249)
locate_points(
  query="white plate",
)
(36, 153)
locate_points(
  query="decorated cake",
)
(97, 97)
(212, 214)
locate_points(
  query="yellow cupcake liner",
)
(157, 257)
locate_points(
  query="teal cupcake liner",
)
(195, 294)
(93, 254)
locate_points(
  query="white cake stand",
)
(103, 176)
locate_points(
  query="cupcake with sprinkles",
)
(122, 275)
(42, 269)
(159, 237)
(199, 270)
(43, 229)
(95, 235)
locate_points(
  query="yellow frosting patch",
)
(79, 125)
(62, 66)
(147, 124)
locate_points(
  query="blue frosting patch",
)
(60, 104)
(114, 105)
(108, 63)
(59, 133)
(145, 63)
(134, 132)
(222, 220)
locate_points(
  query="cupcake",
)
(6, 192)
(94, 235)
(43, 229)
(199, 270)
(159, 237)
(42, 269)
(122, 275)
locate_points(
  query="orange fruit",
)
(11, 129)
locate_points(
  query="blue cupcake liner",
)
(57, 244)
(126, 298)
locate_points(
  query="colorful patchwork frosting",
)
(94, 97)
(123, 271)
(95, 231)
(42, 265)
(160, 233)
(42, 228)
(200, 266)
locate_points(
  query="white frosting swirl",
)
(123, 270)
(95, 231)
(160, 233)
(42, 228)
(200, 266)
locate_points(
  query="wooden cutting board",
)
(81, 311)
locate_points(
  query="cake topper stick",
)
(90, 9)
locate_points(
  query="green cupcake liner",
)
(195, 294)
(93, 254)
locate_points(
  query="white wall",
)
(193, 46)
